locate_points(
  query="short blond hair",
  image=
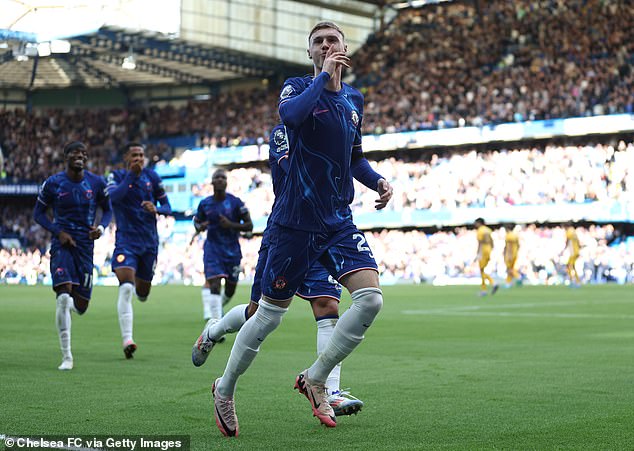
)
(325, 24)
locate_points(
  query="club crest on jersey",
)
(120, 258)
(88, 194)
(148, 186)
(279, 283)
(355, 118)
(286, 92)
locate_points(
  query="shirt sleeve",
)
(44, 200)
(117, 188)
(298, 101)
(160, 195)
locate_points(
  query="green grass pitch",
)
(530, 368)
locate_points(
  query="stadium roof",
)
(104, 58)
(32, 32)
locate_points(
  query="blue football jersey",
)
(221, 241)
(136, 228)
(323, 129)
(74, 204)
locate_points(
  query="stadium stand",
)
(520, 61)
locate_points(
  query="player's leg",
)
(64, 273)
(229, 290)
(124, 265)
(287, 263)
(145, 273)
(323, 292)
(349, 259)
(367, 300)
(509, 272)
(215, 306)
(63, 323)
(569, 269)
(483, 262)
(575, 281)
(205, 295)
(235, 318)
(215, 330)
(214, 273)
(326, 312)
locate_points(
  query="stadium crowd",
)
(442, 257)
(462, 63)
(476, 63)
(494, 178)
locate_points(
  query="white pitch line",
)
(517, 314)
(472, 308)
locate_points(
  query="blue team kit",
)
(74, 206)
(222, 254)
(294, 266)
(136, 240)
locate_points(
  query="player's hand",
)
(224, 222)
(385, 194)
(149, 206)
(334, 60)
(66, 240)
(200, 226)
(95, 233)
(136, 167)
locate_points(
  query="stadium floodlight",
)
(129, 62)
(60, 46)
(44, 49)
(416, 3)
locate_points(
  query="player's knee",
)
(142, 290)
(251, 309)
(369, 299)
(325, 307)
(81, 305)
(64, 300)
(127, 289)
(270, 313)
(230, 290)
(214, 286)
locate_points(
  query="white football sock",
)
(247, 344)
(324, 331)
(63, 323)
(215, 305)
(348, 333)
(206, 297)
(124, 307)
(230, 323)
(225, 299)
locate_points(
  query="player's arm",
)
(244, 223)
(282, 162)
(117, 189)
(106, 215)
(363, 172)
(40, 216)
(44, 199)
(160, 195)
(297, 103)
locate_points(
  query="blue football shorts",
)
(292, 253)
(143, 262)
(73, 265)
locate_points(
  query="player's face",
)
(76, 159)
(219, 181)
(321, 41)
(135, 155)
